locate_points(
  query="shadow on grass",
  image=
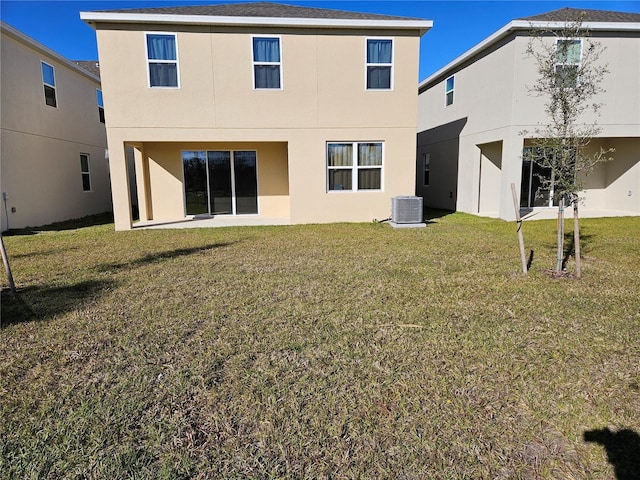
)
(530, 260)
(43, 253)
(433, 214)
(159, 256)
(41, 303)
(570, 246)
(88, 221)
(623, 450)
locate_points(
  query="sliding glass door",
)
(536, 180)
(220, 175)
(196, 195)
(245, 182)
(220, 182)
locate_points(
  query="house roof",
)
(257, 14)
(44, 50)
(262, 9)
(564, 14)
(594, 20)
(91, 66)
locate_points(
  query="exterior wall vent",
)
(406, 209)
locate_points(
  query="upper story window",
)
(379, 63)
(100, 105)
(267, 64)
(162, 58)
(568, 54)
(449, 91)
(85, 172)
(354, 166)
(49, 82)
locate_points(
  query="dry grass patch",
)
(322, 351)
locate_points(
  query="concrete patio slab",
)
(212, 222)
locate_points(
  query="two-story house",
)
(474, 114)
(53, 163)
(259, 110)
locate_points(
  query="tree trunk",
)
(576, 237)
(560, 256)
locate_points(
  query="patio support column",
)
(142, 183)
(511, 172)
(120, 192)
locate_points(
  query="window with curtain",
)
(379, 63)
(162, 58)
(354, 166)
(568, 55)
(86, 174)
(49, 83)
(267, 65)
(100, 105)
(449, 91)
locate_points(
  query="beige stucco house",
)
(259, 110)
(472, 113)
(53, 163)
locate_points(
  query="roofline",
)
(110, 17)
(21, 37)
(519, 25)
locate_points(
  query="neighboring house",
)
(472, 112)
(53, 139)
(264, 110)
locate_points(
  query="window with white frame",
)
(448, 91)
(379, 63)
(85, 172)
(267, 63)
(568, 55)
(100, 102)
(49, 83)
(354, 166)
(162, 60)
(426, 168)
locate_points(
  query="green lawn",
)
(322, 351)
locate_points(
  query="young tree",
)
(569, 79)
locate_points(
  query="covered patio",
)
(196, 184)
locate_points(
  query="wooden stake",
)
(5, 260)
(576, 237)
(560, 249)
(520, 237)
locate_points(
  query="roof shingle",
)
(262, 10)
(91, 66)
(571, 14)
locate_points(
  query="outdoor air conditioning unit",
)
(406, 209)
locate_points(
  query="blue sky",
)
(458, 25)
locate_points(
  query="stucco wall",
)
(493, 102)
(483, 93)
(442, 144)
(323, 81)
(323, 99)
(490, 178)
(620, 102)
(615, 185)
(310, 201)
(41, 145)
